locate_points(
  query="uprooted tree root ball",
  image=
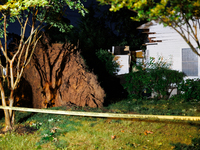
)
(57, 75)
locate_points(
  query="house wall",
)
(170, 48)
(122, 56)
(123, 60)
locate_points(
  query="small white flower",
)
(33, 124)
(137, 107)
(50, 120)
(191, 109)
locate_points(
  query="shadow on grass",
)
(194, 146)
(25, 117)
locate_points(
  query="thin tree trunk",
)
(11, 112)
(6, 112)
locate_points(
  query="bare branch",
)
(24, 65)
(188, 42)
(19, 21)
(2, 49)
(11, 75)
(5, 36)
(32, 51)
(21, 41)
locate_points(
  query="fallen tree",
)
(58, 75)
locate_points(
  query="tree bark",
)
(11, 112)
(6, 111)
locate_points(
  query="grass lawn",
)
(47, 131)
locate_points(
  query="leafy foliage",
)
(157, 77)
(107, 59)
(60, 36)
(190, 89)
(136, 82)
(163, 81)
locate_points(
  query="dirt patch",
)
(20, 129)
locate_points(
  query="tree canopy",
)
(181, 15)
(49, 12)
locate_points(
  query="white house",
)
(167, 43)
(124, 56)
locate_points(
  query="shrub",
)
(107, 59)
(164, 81)
(157, 77)
(137, 82)
(190, 89)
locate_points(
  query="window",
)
(189, 62)
(139, 61)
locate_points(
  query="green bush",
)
(190, 89)
(137, 82)
(157, 77)
(107, 59)
(164, 81)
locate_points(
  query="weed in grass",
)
(92, 124)
(47, 136)
(36, 125)
(130, 145)
(53, 126)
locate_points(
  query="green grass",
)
(73, 132)
(15, 141)
(161, 107)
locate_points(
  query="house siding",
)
(170, 48)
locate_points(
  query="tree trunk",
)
(6, 112)
(11, 112)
